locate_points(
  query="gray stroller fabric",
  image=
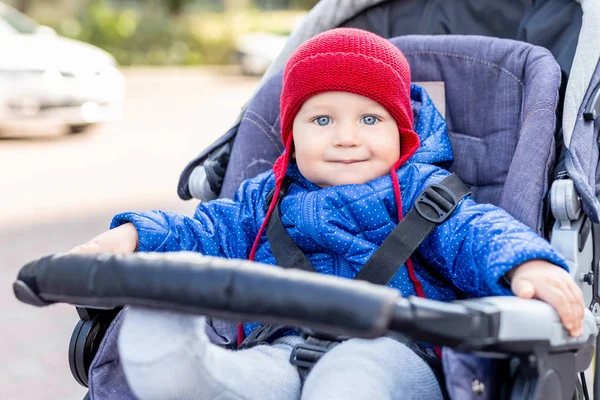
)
(581, 135)
(553, 24)
(586, 59)
(501, 101)
(582, 157)
(473, 377)
(106, 376)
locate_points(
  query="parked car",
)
(49, 79)
(256, 51)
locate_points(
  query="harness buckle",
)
(436, 203)
(306, 355)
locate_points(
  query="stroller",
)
(523, 122)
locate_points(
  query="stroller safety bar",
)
(244, 290)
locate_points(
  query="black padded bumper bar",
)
(243, 290)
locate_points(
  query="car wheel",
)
(80, 128)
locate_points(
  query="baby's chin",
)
(328, 174)
(325, 182)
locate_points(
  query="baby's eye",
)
(322, 121)
(370, 120)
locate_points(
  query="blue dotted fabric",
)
(340, 227)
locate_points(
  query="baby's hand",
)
(545, 281)
(123, 239)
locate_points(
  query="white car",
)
(256, 51)
(49, 79)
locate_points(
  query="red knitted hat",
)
(347, 60)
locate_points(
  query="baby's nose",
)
(346, 136)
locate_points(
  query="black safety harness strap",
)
(431, 208)
(286, 252)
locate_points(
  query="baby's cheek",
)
(304, 161)
(309, 150)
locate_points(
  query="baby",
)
(356, 167)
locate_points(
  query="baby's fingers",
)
(523, 288)
(87, 248)
(559, 297)
(578, 304)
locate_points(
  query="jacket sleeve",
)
(223, 228)
(480, 243)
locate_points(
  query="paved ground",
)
(59, 191)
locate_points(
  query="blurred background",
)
(102, 104)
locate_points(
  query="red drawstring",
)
(397, 194)
(241, 334)
(414, 279)
(266, 220)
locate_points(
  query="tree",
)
(304, 4)
(23, 6)
(233, 5)
(175, 7)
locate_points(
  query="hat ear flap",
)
(409, 144)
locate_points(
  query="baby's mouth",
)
(349, 161)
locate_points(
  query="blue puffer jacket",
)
(340, 227)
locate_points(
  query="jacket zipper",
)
(309, 218)
(343, 268)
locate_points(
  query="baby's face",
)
(343, 138)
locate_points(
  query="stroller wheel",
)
(580, 390)
(86, 339)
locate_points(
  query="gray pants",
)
(168, 356)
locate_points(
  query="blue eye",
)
(370, 120)
(322, 121)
